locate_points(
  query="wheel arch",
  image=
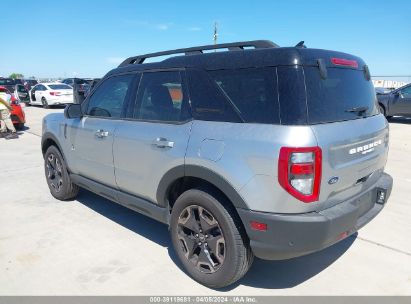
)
(184, 177)
(383, 106)
(47, 140)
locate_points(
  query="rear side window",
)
(207, 101)
(161, 97)
(344, 94)
(291, 91)
(252, 92)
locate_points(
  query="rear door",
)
(154, 139)
(92, 136)
(342, 112)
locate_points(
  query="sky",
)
(88, 38)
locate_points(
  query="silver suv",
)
(257, 150)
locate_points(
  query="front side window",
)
(161, 97)
(110, 96)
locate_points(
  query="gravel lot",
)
(91, 246)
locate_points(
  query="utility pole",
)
(215, 36)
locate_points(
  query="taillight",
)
(299, 172)
(345, 62)
(52, 93)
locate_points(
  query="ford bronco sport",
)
(256, 150)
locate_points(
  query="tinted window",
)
(160, 97)
(6, 81)
(334, 98)
(207, 101)
(21, 88)
(109, 98)
(253, 92)
(406, 92)
(291, 92)
(59, 87)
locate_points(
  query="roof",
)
(235, 58)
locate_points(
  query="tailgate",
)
(354, 156)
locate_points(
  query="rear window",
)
(252, 93)
(344, 94)
(59, 87)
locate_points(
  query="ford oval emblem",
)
(333, 180)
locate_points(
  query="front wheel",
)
(208, 239)
(58, 178)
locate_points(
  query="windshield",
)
(344, 94)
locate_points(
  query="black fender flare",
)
(202, 173)
(48, 135)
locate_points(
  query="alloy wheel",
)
(54, 172)
(201, 238)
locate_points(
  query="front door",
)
(92, 136)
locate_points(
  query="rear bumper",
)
(294, 235)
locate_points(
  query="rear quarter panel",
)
(246, 156)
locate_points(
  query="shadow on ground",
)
(400, 120)
(263, 274)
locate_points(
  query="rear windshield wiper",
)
(359, 110)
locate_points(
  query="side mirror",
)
(398, 94)
(73, 111)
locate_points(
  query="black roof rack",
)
(258, 44)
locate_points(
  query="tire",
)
(229, 255)
(57, 176)
(382, 110)
(45, 104)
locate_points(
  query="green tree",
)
(16, 76)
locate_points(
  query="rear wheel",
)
(58, 178)
(208, 239)
(45, 103)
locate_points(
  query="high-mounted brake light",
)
(345, 62)
(299, 172)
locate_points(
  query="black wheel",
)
(208, 239)
(382, 110)
(57, 176)
(44, 102)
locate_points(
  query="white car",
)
(51, 94)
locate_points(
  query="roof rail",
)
(258, 44)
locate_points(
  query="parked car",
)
(254, 151)
(51, 94)
(29, 83)
(396, 102)
(13, 85)
(89, 87)
(21, 93)
(80, 87)
(17, 114)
